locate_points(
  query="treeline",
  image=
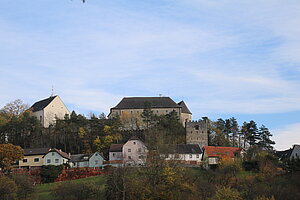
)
(229, 133)
(79, 134)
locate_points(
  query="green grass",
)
(43, 191)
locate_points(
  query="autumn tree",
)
(14, 108)
(9, 153)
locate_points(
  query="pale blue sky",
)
(223, 58)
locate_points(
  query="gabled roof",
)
(40, 105)
(284, 155)
(60, 152)
(80, 157)
(221, 152)
(116, 148)
(139, 103)
(184, 108)
(185, 149)
(36, 151)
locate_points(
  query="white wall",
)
(134, 152)
(54, 158)
(55, 109)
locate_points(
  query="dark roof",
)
(134, 138)
(139, 103)
(184, 108)
(40, 105)
(80, 157)
(284, 155)
(185, 149)
(116, 148)
(36, 151)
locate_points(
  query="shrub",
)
(74, 191)
(226, 193)
(24, 183)
(8, 188)
(50, 172)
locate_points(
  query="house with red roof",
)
(213, 154)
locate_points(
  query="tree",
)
(265, 142)
(14, 108)
(251, 132)
(50, 172)
(9, 153)
(147, 115)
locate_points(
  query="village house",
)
(292, 153)
(56, 157)
(49, 109)
(130, 109)
(212, 155)
(116, 155)
(134, 152)
(33, 157)
(86, 160)
(189, 154)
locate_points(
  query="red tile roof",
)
(212, 151)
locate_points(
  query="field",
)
(43, 191)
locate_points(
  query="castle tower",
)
(196, 132)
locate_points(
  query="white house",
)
(190, 154)
(134, 152)
(56, 157)
(86, 160)
(48, 110)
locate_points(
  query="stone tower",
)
(196, 132)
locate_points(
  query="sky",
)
(225, 59)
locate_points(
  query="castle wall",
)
(196, 133)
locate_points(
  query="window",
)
(197, 156)
(56, 160)
(52, 154)
(96, 162)
(129, 157)
(40, 118)
(166, 111)
(36, 160)
(140, 157)
(139, 150)
(134, 142)
(191, 155)
(157, 111)
(48, 160)
(197, 127)
(129, 150)
(24, 160)
(114, 154)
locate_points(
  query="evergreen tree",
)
(264, 139)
